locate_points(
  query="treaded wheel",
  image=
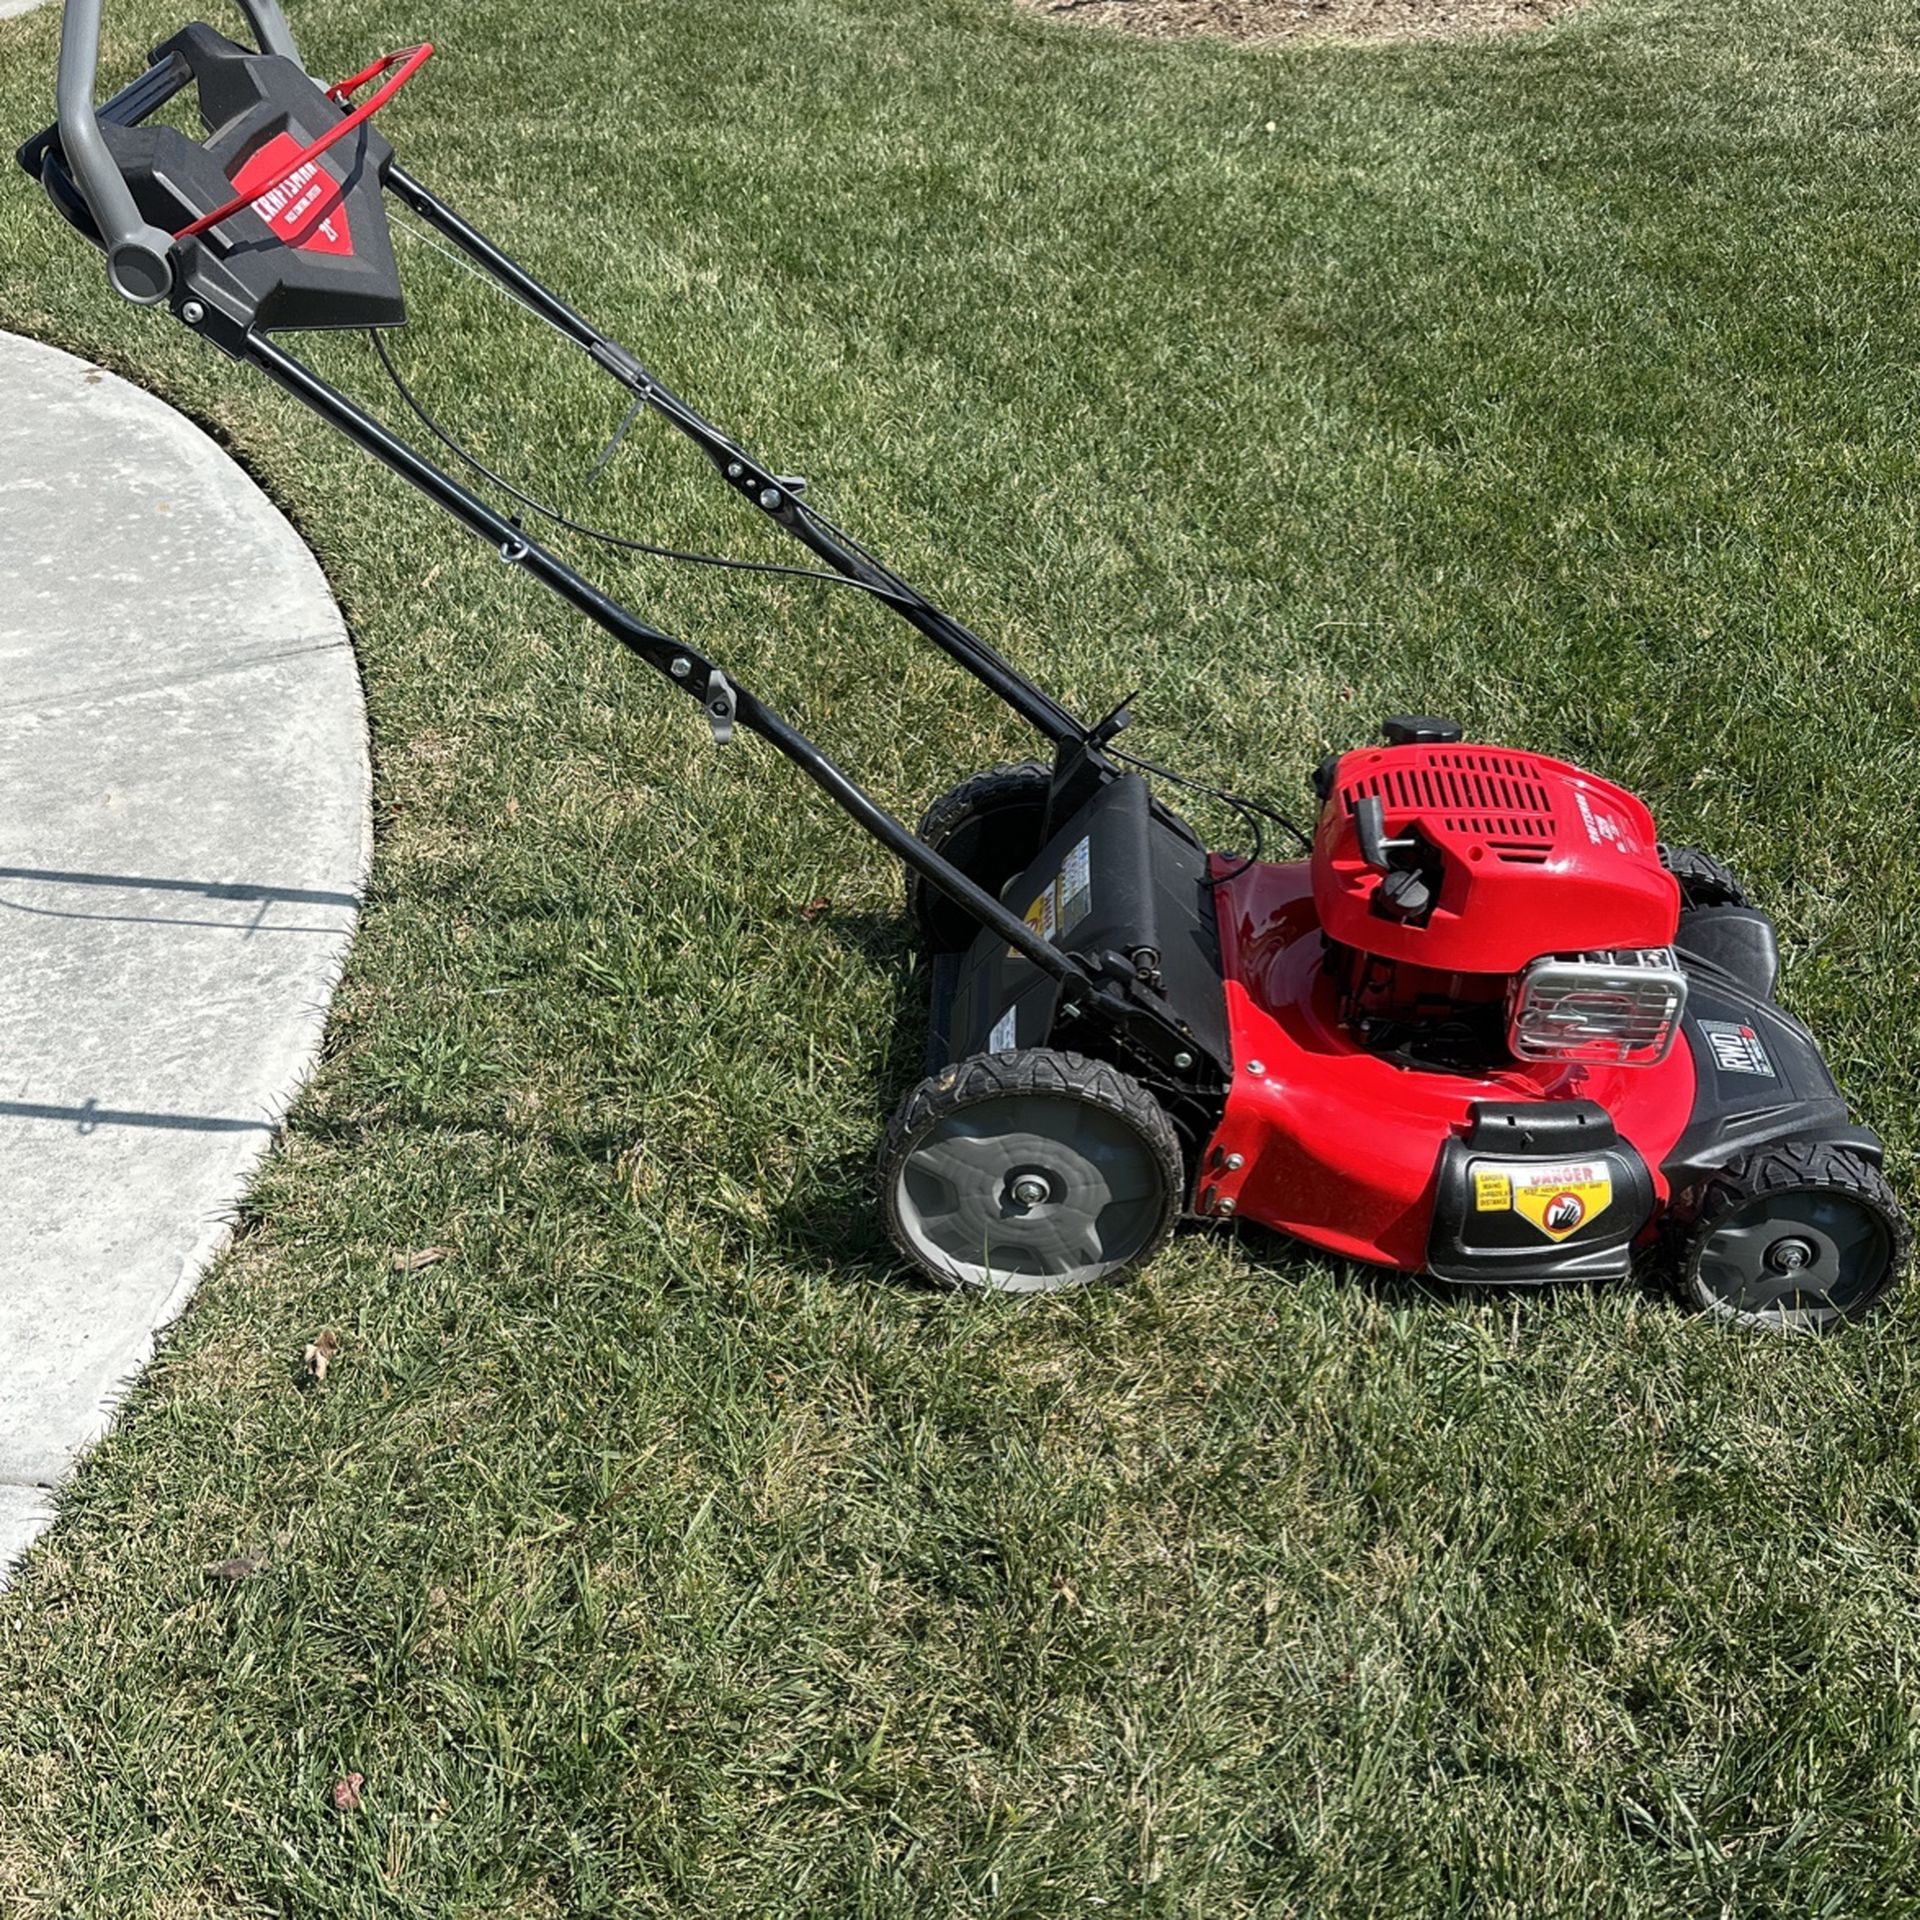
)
(1704, 881)
(1801, 1237)
(1030, 1171)
(989, 826)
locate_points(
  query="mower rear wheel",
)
(990, 826)
(1030, 1171)
(1704, 881)
(1801, 1238)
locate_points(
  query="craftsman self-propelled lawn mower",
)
(1487, 1028)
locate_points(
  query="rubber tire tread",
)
(1704, 881)
(989, 1076)
(1789, 1166)
(979, 793)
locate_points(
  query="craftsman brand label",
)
(1068, 898)
(1737, 1049)
(1558, 1200)
(303, 208)
(1001, 1039)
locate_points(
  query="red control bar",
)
(403, 65)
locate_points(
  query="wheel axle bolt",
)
(1029, 1190)
(1790, 1256)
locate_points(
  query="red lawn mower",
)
(1487, 1028)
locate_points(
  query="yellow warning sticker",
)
(1492, 1193)
(1042, 917)
(1557, 1200)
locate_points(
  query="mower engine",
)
(1492, 1030)
(1434, 923)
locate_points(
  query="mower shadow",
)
(1276, 1251)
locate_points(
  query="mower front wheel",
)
(990, 826)
(1030, 1171)
(1802, 1237)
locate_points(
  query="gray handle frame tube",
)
(139, 254)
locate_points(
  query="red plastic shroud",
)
(1338, 1146)
(1537, 856)
(409, 61)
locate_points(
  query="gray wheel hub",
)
(1795, 1259)
(1030, 1192)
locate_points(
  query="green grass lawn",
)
(659, 1551)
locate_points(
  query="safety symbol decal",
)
(1557, 1200)
(1067, 900)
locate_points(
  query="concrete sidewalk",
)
(184, 830)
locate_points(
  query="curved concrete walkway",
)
(184, 829)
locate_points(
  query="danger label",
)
(1557, 1200)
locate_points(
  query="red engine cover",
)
(1536, 856)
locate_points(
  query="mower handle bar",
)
(139, 254)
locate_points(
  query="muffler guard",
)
(1125, 886)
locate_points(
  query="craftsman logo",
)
(1558, 1200)
(306, 208)
(1737, 1049)
(1602, 828)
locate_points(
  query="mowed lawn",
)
(659, 1549)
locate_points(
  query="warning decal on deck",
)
(1067, 900)
(1075, 886)
(1558, 1200)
